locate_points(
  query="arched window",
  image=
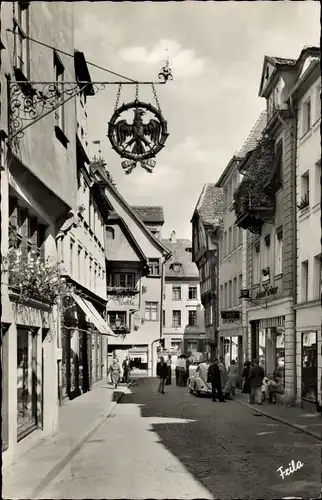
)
(110, 234)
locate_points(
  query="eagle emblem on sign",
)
(141, 140)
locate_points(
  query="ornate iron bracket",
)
(31, 101)
(245, 294)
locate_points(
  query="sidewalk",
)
(78, 420)
(309, 423)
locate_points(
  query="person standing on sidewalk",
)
(126, 369)
(169, 378)
(214, 377)
(115, 371)
(223, 372)
(182, 369)
(256, 380)
(246, 379)
(162, 373)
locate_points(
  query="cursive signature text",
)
(292, 467)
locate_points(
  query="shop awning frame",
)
(93, 315)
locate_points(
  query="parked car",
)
(197, 382)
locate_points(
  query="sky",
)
(216, 52)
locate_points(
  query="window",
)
(176, 319)
(234, 237)
(110, 234)
(95, 275)
(317, 276)
(122, 280)
(90, 272)
(306, 116)
(226, 296)
(225, 244)
(114, 315)
(85, 268)
(279, 252)
(318, 103)
(151, 311)
(256, 263)
(221, 297)
(230, 300)
(192, 293)
(59, 77)
(305, 189)
(176, 293)
(163, 317)
(71, 257)
(235, 292)
(192, 318)
(305, 280)
(192, 347)
(240, 286)
(154, 267)
(176, 266)
(79, 253)
(266, 256)
(27, 381)
(317, 183)
(229, 240)
(278, 176)
(240, 236)
(21, 31)
(91, 211)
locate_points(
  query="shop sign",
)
(230, 316)
(264, 293)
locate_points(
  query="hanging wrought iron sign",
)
(141, 139)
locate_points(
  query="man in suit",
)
(162, 373)
(214, 377)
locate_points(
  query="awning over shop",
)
(93, 315)
(272, 322)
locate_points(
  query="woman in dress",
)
(115, 371)
(246, 379)
(231, 383)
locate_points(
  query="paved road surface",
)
(179, 446)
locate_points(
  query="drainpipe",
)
(294, 238)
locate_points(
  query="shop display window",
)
(309, 365)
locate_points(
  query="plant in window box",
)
(304, 203)
(32, 279)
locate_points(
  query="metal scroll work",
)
(141, 138)
(28, 102)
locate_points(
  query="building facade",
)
(135, 263)
(183, 315)
(265, 205)
(307, 102)
(206, 222)
(232, 260)
(81, 246)
(38, 188)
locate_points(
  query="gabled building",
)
(183, 315)
(135, 261)
(206, 222)
(265, 205)
(232, 259)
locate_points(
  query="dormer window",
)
(189, 250)
(176, 267)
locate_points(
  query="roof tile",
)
(181, 256)
(210, 204)
(149, 213)
(254, 136)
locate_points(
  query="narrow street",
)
(178, 446)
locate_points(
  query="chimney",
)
(173, 237)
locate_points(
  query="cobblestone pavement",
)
(179, 446)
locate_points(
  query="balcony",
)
(254, 199)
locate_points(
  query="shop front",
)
(268, 344)
(309, 354)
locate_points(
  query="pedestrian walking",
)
(256, 380)
(126, 365)
(223, 372)
(214, 377)
(169, 378)
(246, 379)
(115, 371)
(230, 386)
(182, 370)
(177, 370)
(162, 373)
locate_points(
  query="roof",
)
(254, 136)
(281, 60)
(98, 170)
(210, 204)
(150, 214)
(180, 255)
